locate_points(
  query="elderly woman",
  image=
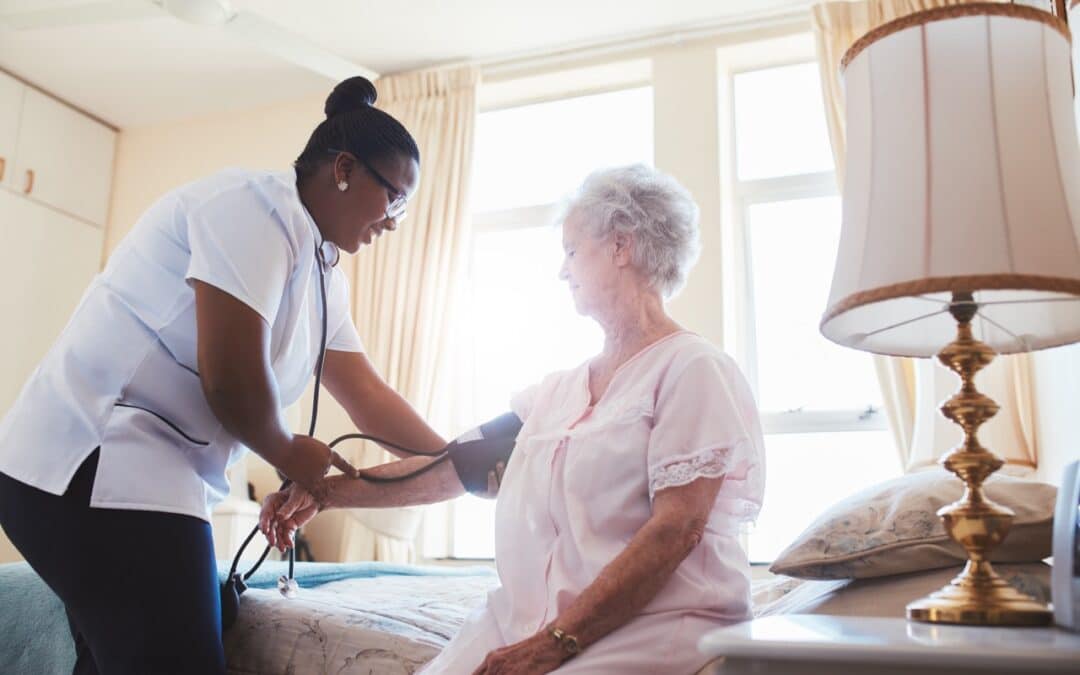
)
(619, 508)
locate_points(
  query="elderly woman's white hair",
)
(654, 209)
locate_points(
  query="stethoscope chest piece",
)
(287, 587)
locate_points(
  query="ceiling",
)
(147, 71)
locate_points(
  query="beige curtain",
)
(912, 394)
(404, 287)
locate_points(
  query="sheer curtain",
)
(912, 391)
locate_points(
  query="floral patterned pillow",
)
(893, 528)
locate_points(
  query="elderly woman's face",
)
(589, 266)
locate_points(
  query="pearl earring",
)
(343, 186)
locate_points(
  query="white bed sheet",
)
(393, 625)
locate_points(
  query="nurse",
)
(206, 323)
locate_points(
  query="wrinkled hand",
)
(495, 478)
(284, 512)
(533, 656)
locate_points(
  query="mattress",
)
(384, 625)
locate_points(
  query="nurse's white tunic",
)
(130, 346)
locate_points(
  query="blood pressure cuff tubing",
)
(474, 454)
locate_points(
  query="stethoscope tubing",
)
(439, 455)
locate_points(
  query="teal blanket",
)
(34, 635)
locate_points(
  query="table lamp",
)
(961, 223)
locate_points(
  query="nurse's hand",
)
(307, 460)
(532, 656)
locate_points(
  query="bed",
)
(348, 618)
(868, 555)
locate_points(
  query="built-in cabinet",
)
(54, 155)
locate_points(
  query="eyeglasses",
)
(396, 200)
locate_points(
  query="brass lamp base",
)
(980, 600)
(977, 596)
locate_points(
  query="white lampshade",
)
(1074, 21)
(963, 174)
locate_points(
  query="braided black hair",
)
(352, 124)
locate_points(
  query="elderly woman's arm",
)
(287, 510)
(625, 586)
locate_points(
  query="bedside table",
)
(804, 644)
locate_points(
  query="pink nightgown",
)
(580, 484)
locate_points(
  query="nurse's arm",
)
(373, 406)
(630, 582)
(240, 387)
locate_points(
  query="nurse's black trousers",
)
(140, 587)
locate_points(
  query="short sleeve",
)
(343, 335)
(702, 425)
(522, 402)
(240, 247)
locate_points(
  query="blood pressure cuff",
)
(475, 453)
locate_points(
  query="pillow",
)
(893, 528)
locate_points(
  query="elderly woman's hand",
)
(532, 656)
(284, 512)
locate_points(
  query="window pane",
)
(474, 527)
(780, 123)
(810, 472)
(524, 322)
(523, 326)
(793, 247)
(537, 154)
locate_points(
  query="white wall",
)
(150, 161)
(687, 145)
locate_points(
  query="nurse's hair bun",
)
(349, 95)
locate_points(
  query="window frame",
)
(741, 195)
(737, 197)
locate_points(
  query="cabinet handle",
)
(29, 181)
(3, 166)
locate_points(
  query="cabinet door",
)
(47, 260)
(11, 100)
(67, 157)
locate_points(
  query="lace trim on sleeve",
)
(708, 463)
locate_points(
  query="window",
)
(521, 322)
(825, 433)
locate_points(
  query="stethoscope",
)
(234, 584)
